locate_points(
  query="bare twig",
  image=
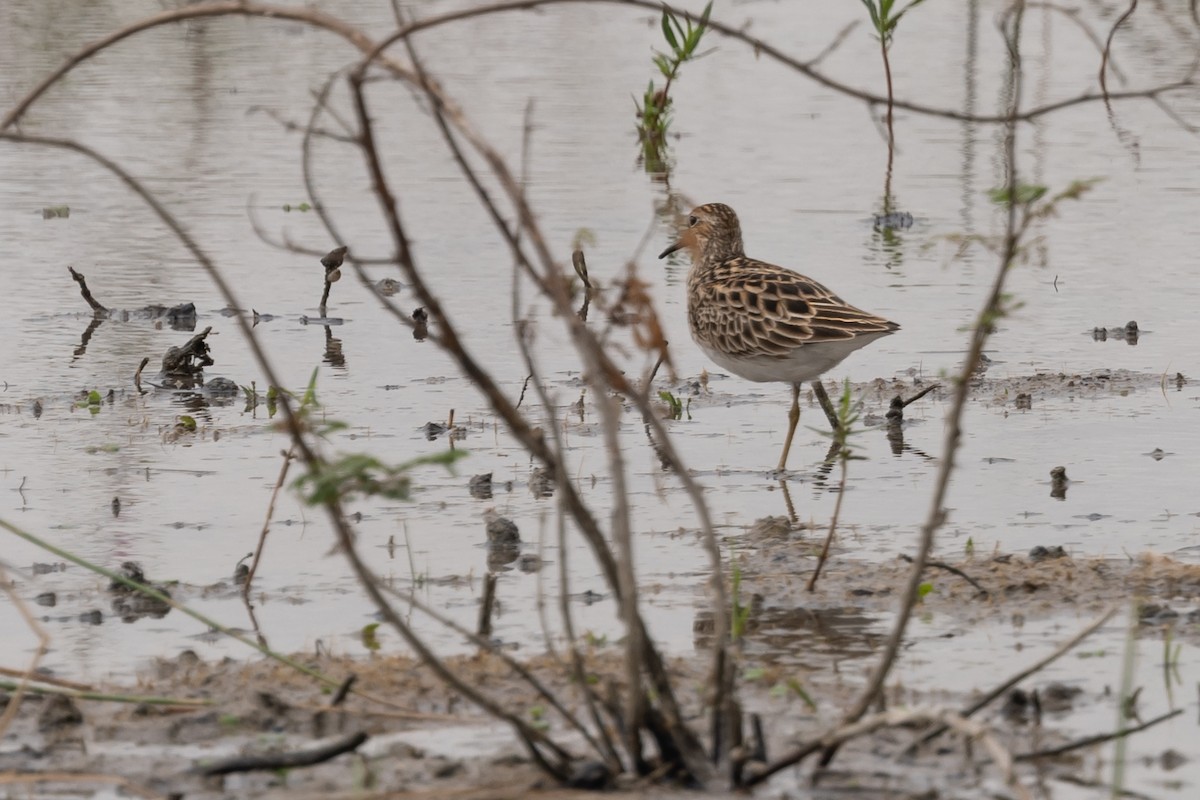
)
(288, 457)
(363, 43)
(1016, 678)
(1100, 738)
(99, 309)
(953, 570)
(486, 606)
(979, 334)
(137, 376)
(13, 706)
(278, 761)
(1108, 48)
(899, 718)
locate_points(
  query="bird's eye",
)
(692, 220)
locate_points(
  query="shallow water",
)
(180, 107)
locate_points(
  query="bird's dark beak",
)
(670, 249)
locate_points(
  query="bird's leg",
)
(793, 420)
(826, 405)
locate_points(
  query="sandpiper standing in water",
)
(763, 322)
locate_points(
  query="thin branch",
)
(1100, 738)
(289, 760)
(288, 457)
(1016, 678)
(979, 334)
(1108, 47)
(13, 705)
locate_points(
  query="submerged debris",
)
(191, 358)
(131, 604)
(1128, 333)
(541, 482)
(1041, 553)
(893, 220)
(500, 530)
(59, 711)
(420, 329)
(388, 287)
(1058, 483)
(480, 486)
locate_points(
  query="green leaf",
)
(93, 398)
(907, 9)
(310, 393)
(924, 589)
(798, 690)
(1026, 193)
(870, 4)
(753, 674)
(667, 32)
(187, 423)
(370, 638)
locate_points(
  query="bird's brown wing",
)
(746, 308)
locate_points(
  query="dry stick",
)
(1013, 680)
(153, 593)
(291, 421)
(556, 290)
(106, 697)
(288, 456)
(1073, 15)
(524, 386)
(529, 735)
(1108, 47)
(837, 510)
(951, 569)
(48, 679)
(762, 48)
(937, 511)
(484, 629)
(277, 761)
(1100, 738)
(636, 637)
(363, 43)
(137, 376)
(902, 718)
(97, 308)
(497, 650)
(89, 779)
(43, 646)
(609, 751)
(551, 284)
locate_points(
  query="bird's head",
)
(712, 233)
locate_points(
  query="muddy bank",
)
(802, 656)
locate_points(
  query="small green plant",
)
(355, 473)
(884, 22)
(370, 636)
(301, 207)
(791, 686)
(847, 412)
(740, 617)
(673, 403)
(537, 716)
(925, 588)
(654, 112)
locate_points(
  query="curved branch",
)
(374, 52)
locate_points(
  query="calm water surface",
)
(184, 108)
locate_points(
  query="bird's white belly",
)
(805, 363)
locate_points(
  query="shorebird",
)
(763, 322)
